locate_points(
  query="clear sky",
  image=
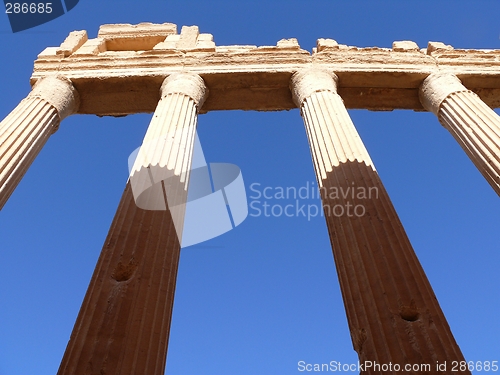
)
(264, 296)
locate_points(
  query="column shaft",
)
(124, 322)
(392, 311)
(27, 128)
(474, 125)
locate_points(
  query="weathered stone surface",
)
(124, 322)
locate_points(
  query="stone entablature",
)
(139, 57)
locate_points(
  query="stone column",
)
(124, 322)
(27, 128)
(475, 126)
(393, 315)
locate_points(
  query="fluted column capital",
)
(308, 81)
(59, 92)
(436, 88)
(188, 84)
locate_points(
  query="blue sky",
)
(264, 296)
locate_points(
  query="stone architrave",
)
(124, 322)
(24, 132)
(393, 314)
(474, 125)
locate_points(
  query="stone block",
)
(326, 45)
(438, 47)
(291, 43)
(205, 43)
(49, 53)
(188, 38)
(405, 46)
(74, 41)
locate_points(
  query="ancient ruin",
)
(393, 314)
